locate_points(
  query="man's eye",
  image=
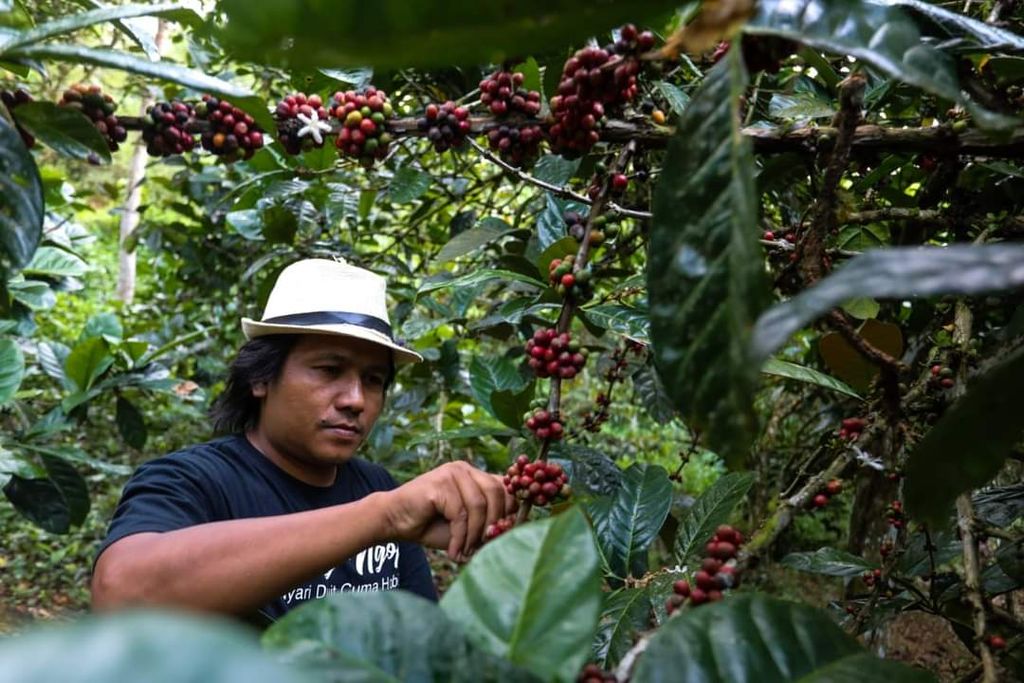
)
(327, 369)
(376, 380)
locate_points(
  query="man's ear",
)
(259, 390)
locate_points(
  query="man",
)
(280, 512)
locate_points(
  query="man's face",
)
(325, 400)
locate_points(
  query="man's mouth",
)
(343, 428)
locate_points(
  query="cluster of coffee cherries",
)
(498, 528)
(166, 128)
(543, 423)
(15, 99)
(555, 355)
(592, 673)
(364, 135)
(851, 428)
(100, 108)
(942, 376)
(231, 133)
(576, 285)
(445, 125)
(871, 578)
(895, 515)
(298, 119)
(518, 144)
(717, 572)
(503, 94)
(832, 488)
(538, 482)
(601, 229)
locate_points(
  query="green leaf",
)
(626, 614)
(551, 221)
(87, 361)
(713, 508)
(21, 200)
(51, 357)
(558, 249)
(509, 406)
(71, 485)
(399, 34)
(531, 74)
(675, 96)
(862, 308)
(478, 277)
(591, 471)
(279, 224)
(655, 400)
(487, 376)
(106, 325)
(474, 432)
(622, 319)
(968, 445)
(828, 561)
(65, 130)
(800, 106)
(408, 184)
(381, 636)
(1000, 506)
(881, 35)
(169, 648)
(533, 595)
(246, 223)
(12, 369)
(554, 169)
(984, 35)
(800, 373)
(54, 262)
(751, 638)
(896, 273)
(189, 78)
(40, 502)
(131, 423)
(705, 276)
(72, 454)
(628, 522)
(34, 294)
(486, 231)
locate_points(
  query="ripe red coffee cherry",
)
(820, 500)
(619, 182)
(704, 581)
(724, 551)
(682, 588)
(834, 487)
(698, 597)
(711, 565)
(997, 642)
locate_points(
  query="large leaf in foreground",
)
(533, 595)
(21, 200)
(751, 638)
(897, 273)
(969, 444)
(12, 369)
(713, 508)
(382, 636)
(168, 648)
(984, 35)
(705, 277)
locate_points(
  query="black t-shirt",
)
(229, 479)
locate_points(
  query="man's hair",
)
(259, 361)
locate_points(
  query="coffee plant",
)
(792, 230)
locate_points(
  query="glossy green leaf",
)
(54, 262)
(753, 638)
(510, 405)
(71, 485)
(408, 184)
(896, 273)
(591, 472)
(106, 325)
(712, 508)
(1000, 506)
(627, 522)
(554, 169)
(168, 648)
(400, 34)
(828, 561)
(51, 357)
(381, 636)
(278, 224)
(479, 277)
(648, 387)
(881, 35)
(705, 277)
(40, 502)
(983, 35)
(87, 361)
(21, 200)
(487, 376)
(675, 96)
(64, 130)
(968, 445)
(12, 369)
(801, 373)
(626, 614)
(130, 423)
(533, 595)
(189, 78)
(34, 294)
(483, 233)
(628, 321)
(246, 223)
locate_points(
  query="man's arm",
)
(237, 565)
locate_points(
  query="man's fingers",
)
(475, 500)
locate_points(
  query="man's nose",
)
(350, 395)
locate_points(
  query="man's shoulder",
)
(378, 477)
(212, 456)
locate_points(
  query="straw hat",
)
(320, 296)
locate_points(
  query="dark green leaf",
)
(558, 249)
(881, 35)
(401, 34)
(459, 434)
(533, 595)
(382, 636)
(801, 373)
(655, 400)
(551, 221)
(246, 222)
(555, 170)
(984, 35)
(279, 224)
(87, 361)
(705, 274)
(1000, 506)
(72, 454)
(590, 471)
(750, 638)
(487, 376)
(626, 614)
(531, 74)
(12, 369)
(509, 406)
(969, 444)
(54, 262)
(478, 277)
(828, 561)
(169, 648)
(64, 130)
(895, 273)
(628, 522)
(713, 508)
(131, 423)
(468, 241)
(71, 485)
(622, 319)
(105, 325)
(408, 184)
(674, 95)
(40, 502)
(21, 200)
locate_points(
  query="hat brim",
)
(403, 356)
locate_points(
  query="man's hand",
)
(450, 506)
